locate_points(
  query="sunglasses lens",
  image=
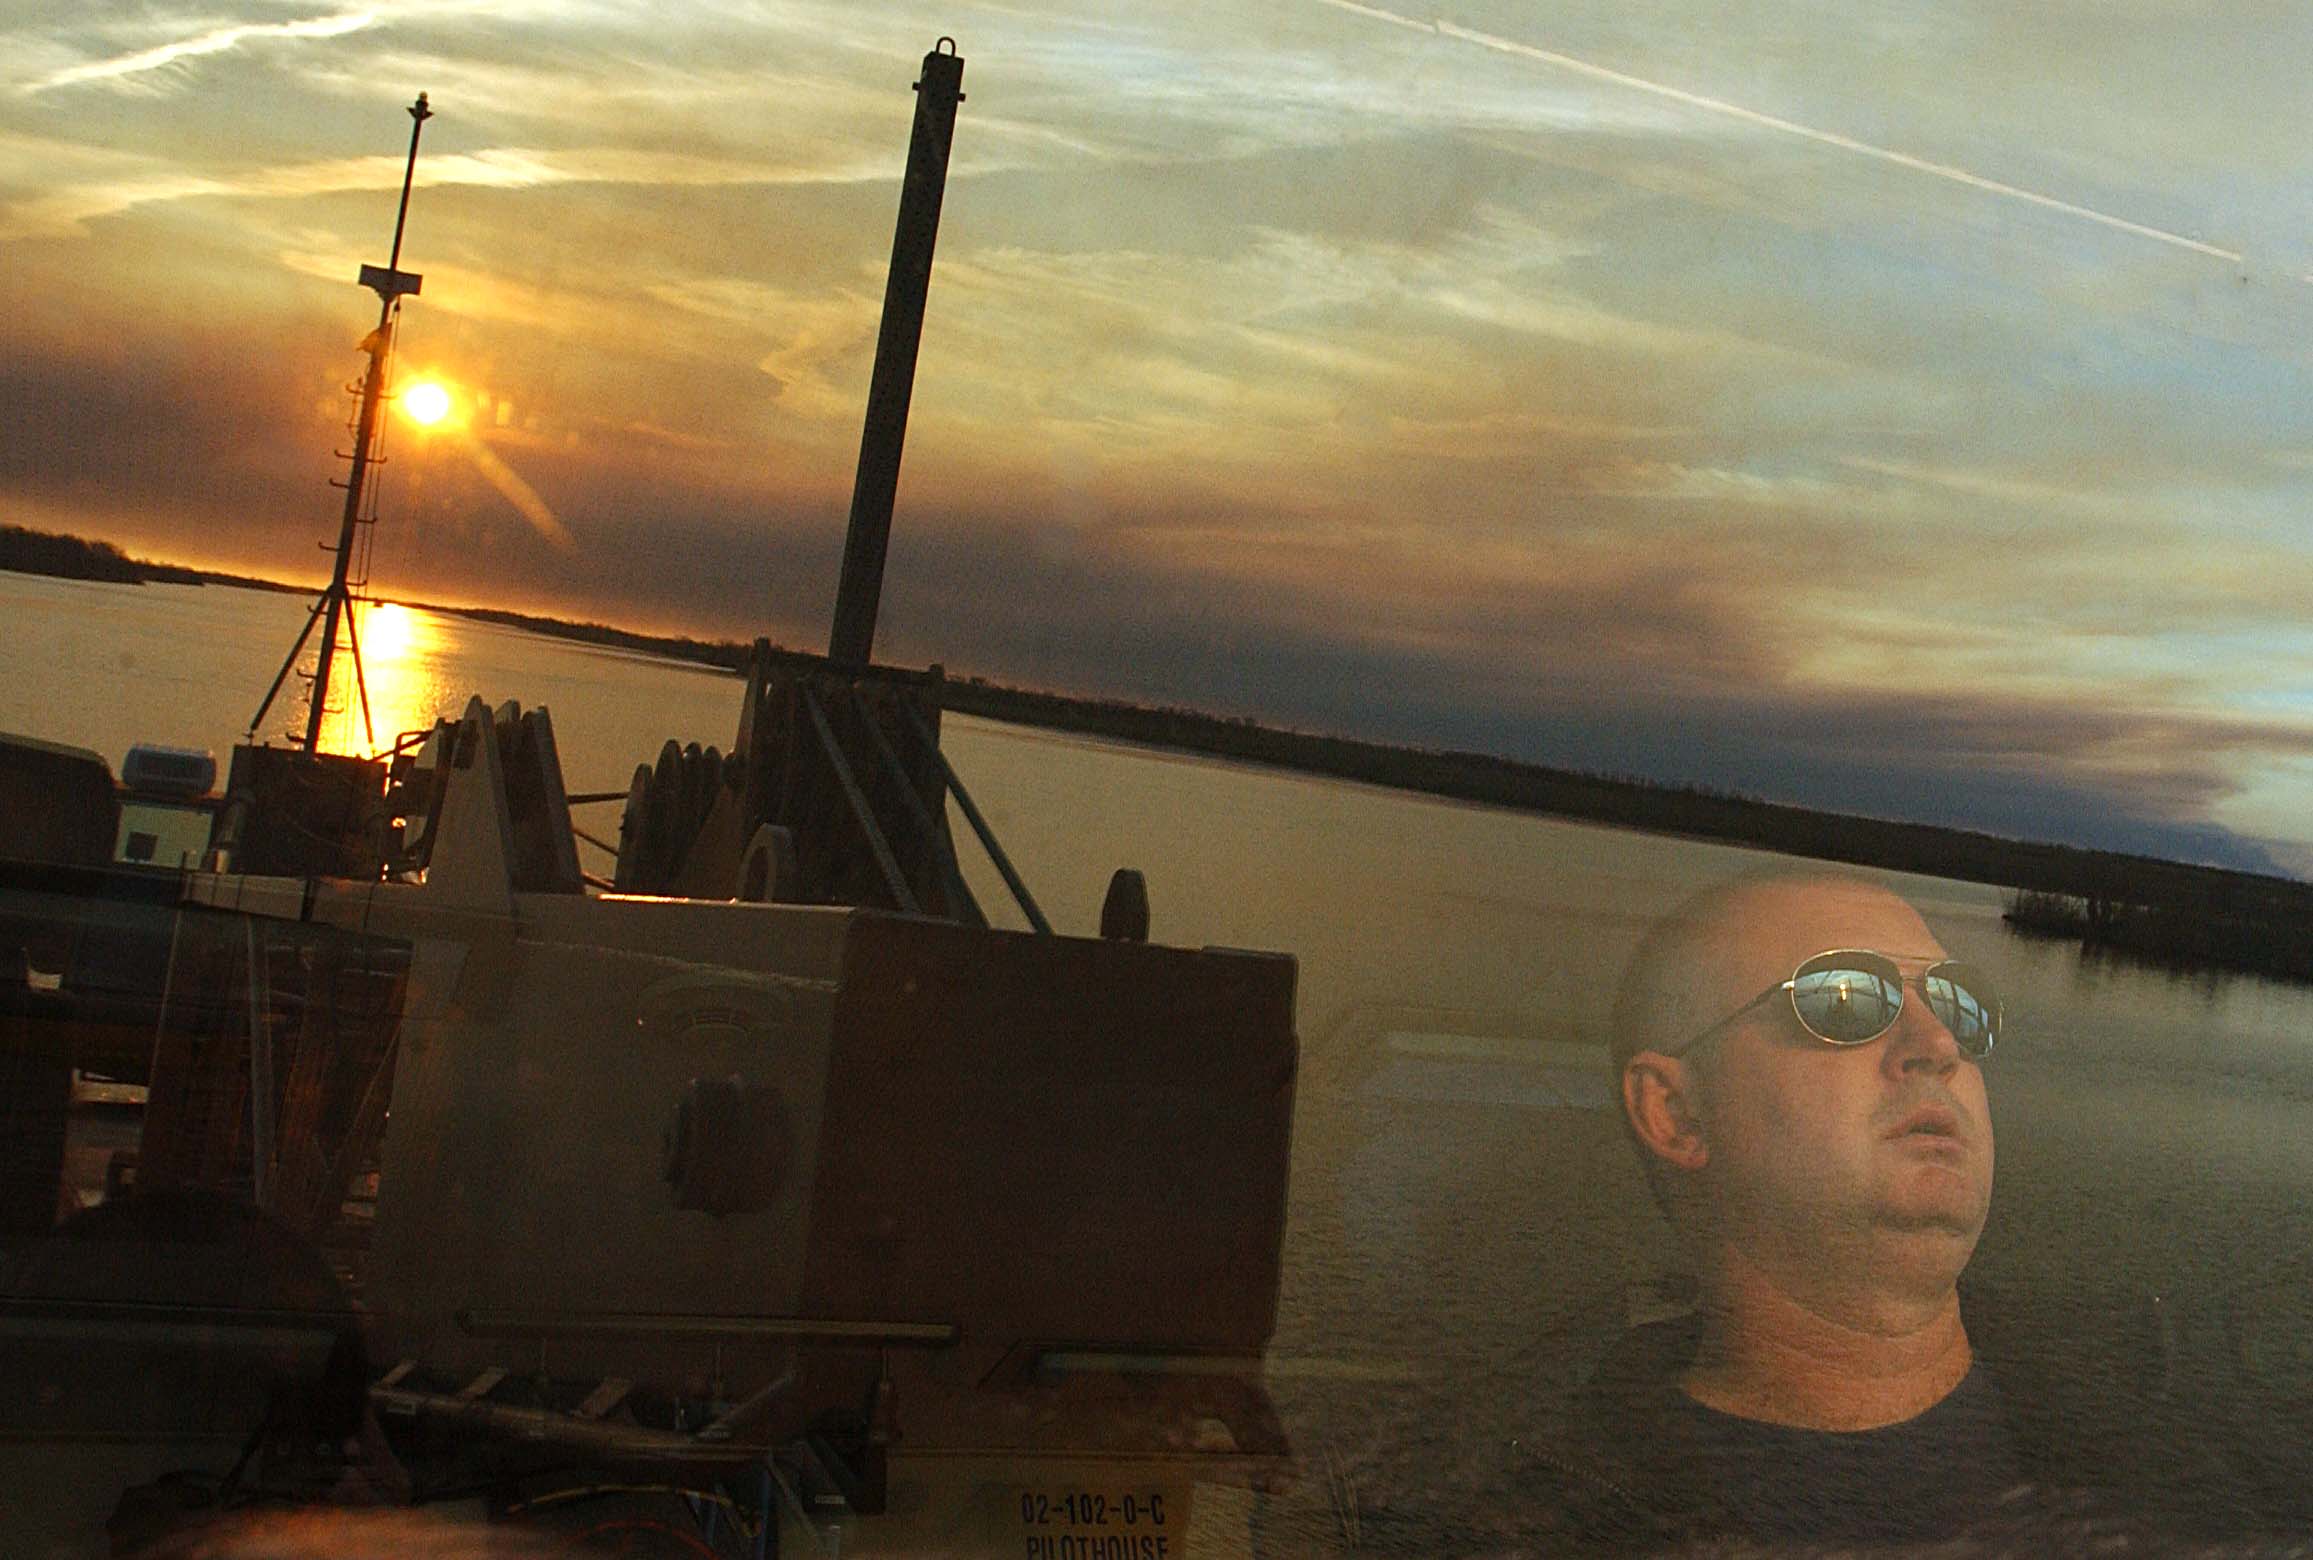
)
(1964, 1001)
(1847, 999)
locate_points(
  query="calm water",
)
(1462, 1209)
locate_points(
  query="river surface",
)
(1463, 1211)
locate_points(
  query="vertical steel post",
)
(852, 644)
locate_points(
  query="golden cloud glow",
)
(66, 211)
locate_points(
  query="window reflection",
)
(1724, 335)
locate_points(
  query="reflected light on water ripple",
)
(406, 674)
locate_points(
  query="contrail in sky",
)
(216, 42)
(1752, 116)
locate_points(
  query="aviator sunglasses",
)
(1852, 996)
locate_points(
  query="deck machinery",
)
(764, 1197)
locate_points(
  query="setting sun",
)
(425, 403)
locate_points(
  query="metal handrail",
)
(978, 823)
(937, 836)
(884, 860)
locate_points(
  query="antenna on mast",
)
(391, 284)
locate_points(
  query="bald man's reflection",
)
(1801, 1066)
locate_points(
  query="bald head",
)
(1727, 944)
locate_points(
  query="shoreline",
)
(2174, 912)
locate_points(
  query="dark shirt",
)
(2073, 1433)
(1644, 1464)
(1928, 1477)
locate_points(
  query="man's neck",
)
(1768, 1352)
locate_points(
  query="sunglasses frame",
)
(1869, 960)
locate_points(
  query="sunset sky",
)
(1900, 409)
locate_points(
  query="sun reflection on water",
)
(402, 666)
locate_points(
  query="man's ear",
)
(1658, 1094)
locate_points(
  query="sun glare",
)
(425, 403)
(389, 631)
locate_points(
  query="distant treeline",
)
(2169, 936)
(2211, 915)
(76, 558)
(2188, 891)
(67, 557)
(728, 654)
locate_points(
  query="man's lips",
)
(1934, 1121)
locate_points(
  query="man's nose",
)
(1919, 1041)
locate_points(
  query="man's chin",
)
(1923, 1252)
(1954, 1223)
(1936, 1203)
(1935, 1200)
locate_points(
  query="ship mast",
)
(391, 284)
(851, 644)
